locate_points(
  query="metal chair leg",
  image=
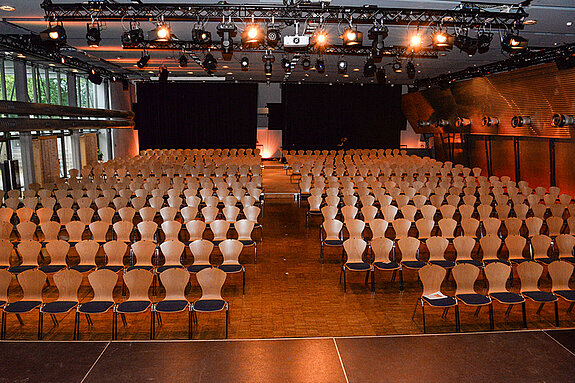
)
(190, 329)
(524, 315)
(372, 280)
(124, 322)
(344, 281)
(114, 325)
(491, 320)
(244, 282)
(152, 324)
(556, 314)
(3, 328)
(40, 324)
(76, 326)
(457, 322)
(423, 315)
(227, 319)
(400, 278)
(255, 252)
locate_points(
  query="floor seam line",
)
(94, 364)
(340, 360)
(559, 343)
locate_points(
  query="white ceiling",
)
(551, 29)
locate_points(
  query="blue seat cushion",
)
(443, 263)
(358, 266)
(314, 212)
(247, 242)
(413, 264)
(333, 242)
(230, 268)
(171, 306)
(386, 265)
(508, 298)
(2, 303)
(209, 305)
(19, 269)
(569, 259)
(216, 243)
(540, 296)
(21, 306)
(568, 295)
(545, 260)
(58, 307)
(4, 267)
(474, 299)
(488, 261)
(471, 262)
(148, 268)
(133, 306)
(164, 268)
(95, 307)
(518, 260)
(442, 302)
(115, 269)
(49, 269)
(198, 268)
(83, 268)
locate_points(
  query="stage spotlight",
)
(143, 61)
(489, 121)
(513, 43)
(201, 37)
(442, 123)
(342, 66)
(273, 35)
(95, 77)
(93, 35)
(252, 35)
(520, 121)
(227, 31)
(320, 66)
(380, 76)
(466, 44)
(461, 122)
(562, 120)
(352, 37)
(369, 67)
(133, 36)
(415, 40)
(377, 34)
(268, 59)
(244, 63)
(286, 64)
(320, 39)
(306, 63)
(161, 33)
(396, 66)
(442, 40)
(163, 76)
(54, 34)
(210, 63)
(183, 61)
(484, 42)
(410, 69)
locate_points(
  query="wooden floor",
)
(289, 293)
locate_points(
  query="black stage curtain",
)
(318, 116)
(183, 115)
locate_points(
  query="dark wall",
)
(188, 115)
(317, 116)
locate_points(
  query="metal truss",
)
(467, 15)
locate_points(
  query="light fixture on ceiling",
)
(415, 40)
(396, 66)
(93, 34)
(484, 42)
(561, 120)
(378, 33)
(529, 22)
(201, 37)
(143, 61)
(320, 65)
(487, 121)
(352, 37)
(161, 33)
(163, 75)
(244, 63)
(273, 35)
(54, 34)
(227, 30)
(466, 43)
(306, 63)
(210, 63)
(252, 36)
(342, 66)
(513, 43)
(286, 64)
(320, 39)
(7, 8)
(442, 40)
(369, 67)
(94, 77)
(462, 122)
(183, 61)
(268, 59)
(410, 69)
(520, 121)
(135, 35)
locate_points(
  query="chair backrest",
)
(171, 230)
(175, 281)
(143, 252)
(565, 244)
(147, 230)
(408, 212)
(123, 230)
(244, 229)
(58, 250)
(172, 251)
(354, 248)
(490, 245)
(29, 251)
(469, 226)
(389, 212)
(465, 275)
(196, 229)
(378, 227)
(32, 283)
(87, 251)
(529, 273)
(431, 277)
(408, 246)
(497, 274)
(401, 227)
(424, 227)
(147, 213)
(85, 214)
(220, 229)
(201, 250)
(540, 244)
(428, 211)
(231, 249)
(515, 245)
(103, 283)
(211, 282)
(466, 211)
(560, 273)
(437, 247)
(332, 229)
(533, 225)
(251, 213)
(5, 280)
(513, 225)
(115, 251)
(26, 230)
(6, 249)
(106, 214)
(138, 282)
(381, 248)
(99, 230)
(447, 227)
(349, 212)
(68, 283)
(491, 225)
(447, 211)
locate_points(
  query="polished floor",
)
(289, 293)
(525, 356)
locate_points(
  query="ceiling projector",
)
(296, 41)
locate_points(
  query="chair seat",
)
(443, 263)
(83, 268)
(147, 267)
(474, 299)
(333, 242)
(133, 306)
(58, 307)
(386, 265)
(49, 269)
(540, 296)
(231, 268)
(247, 242)
(569, 259)
(471, 262)
(2, 303)
(413, 264)
(217, 242)
(314, 212)
(358, 266)
(166, 267)
(207, 305)
(21, 306)
(545, 260)
(20, 269)
(519, 260)
(3, 267)
(441, 302)
(171, 306)
(568, 295)
(115, 269)
(198, 268)
(95, 307)
(508, 298)
(488, 261)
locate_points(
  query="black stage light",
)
(161, 33)
(466, 44)
(369, 67)
(286, 64)
(352, 37)
(54, 34)
(378, 34)
(520, 121)
(252, 36)
(273, 35)
(201, 37)
(320, 66)
(93, 35)
(380, 76)
(163, 76)
(513, 43)
(268, 59)
(562, 120)
(210, 63)
(443, 41)
(461, 122)
(306, 63)
(143, 61)
(244, 63)
(95, 77)
(342, 66)
(133, 36)
(227, 31)
(484, 41)
(489, 121)
(396, 66)
(410, 69)
(183, 61)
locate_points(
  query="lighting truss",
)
(520, 60)
(468, 14)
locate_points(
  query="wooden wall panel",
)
(89, 149)
(46, 163)
(565, 168)
(502, 157)
(534, 161)
(477, 153)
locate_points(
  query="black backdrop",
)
(191, 115)
(317, 116)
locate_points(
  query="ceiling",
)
(553, 18)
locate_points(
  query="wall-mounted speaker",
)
(461, 122)
(562, 120)
(520, 121)
(442, 123)
(489, 121)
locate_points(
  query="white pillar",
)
(26, 147)
(73, 101)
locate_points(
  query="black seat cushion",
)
(386, 265)
(231, 268)
(333, 242)
(358, 266)
(198, 268)
(133, 306)
(115, 269)
(20, 269)
(83, 268)
(247, 242)
(488, 261)
(413, 264)
(58, 307)
(568, 295)
(546, 260)
(164, 268)
(540, 296)
(209, 305)
(443, 263)
(148, 268)
(518, 260)
(49, 269)
(508, 298)
(171, 306)
(441, 302)
(471, 262)
(95, 307)
(474, 299)
(21, 306)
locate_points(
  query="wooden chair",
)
(171, 230)
(231, 249)
(143, 252)
(333, 236)
(490, 245)
(211, 282)
(401, 228)
(138, 283)
(378, 228)
(87, 251)
(437, 247)
(147, 230)
(195, 229)
(85, 215)
(560, 273)
(123, 231)
(465, 275)
(6, 249)
(497, 274)
(540, 248)
(172, 252)
(515, 245)
(174, 282)
(114, 251)
(57, 251)
(28, 251)
(244, 229)
(26, 230)
(529, 274)
(99, 230)
(220, 230)
(201, 250)
(565, 244)
(354, 249)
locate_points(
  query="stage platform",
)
(509, 356)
